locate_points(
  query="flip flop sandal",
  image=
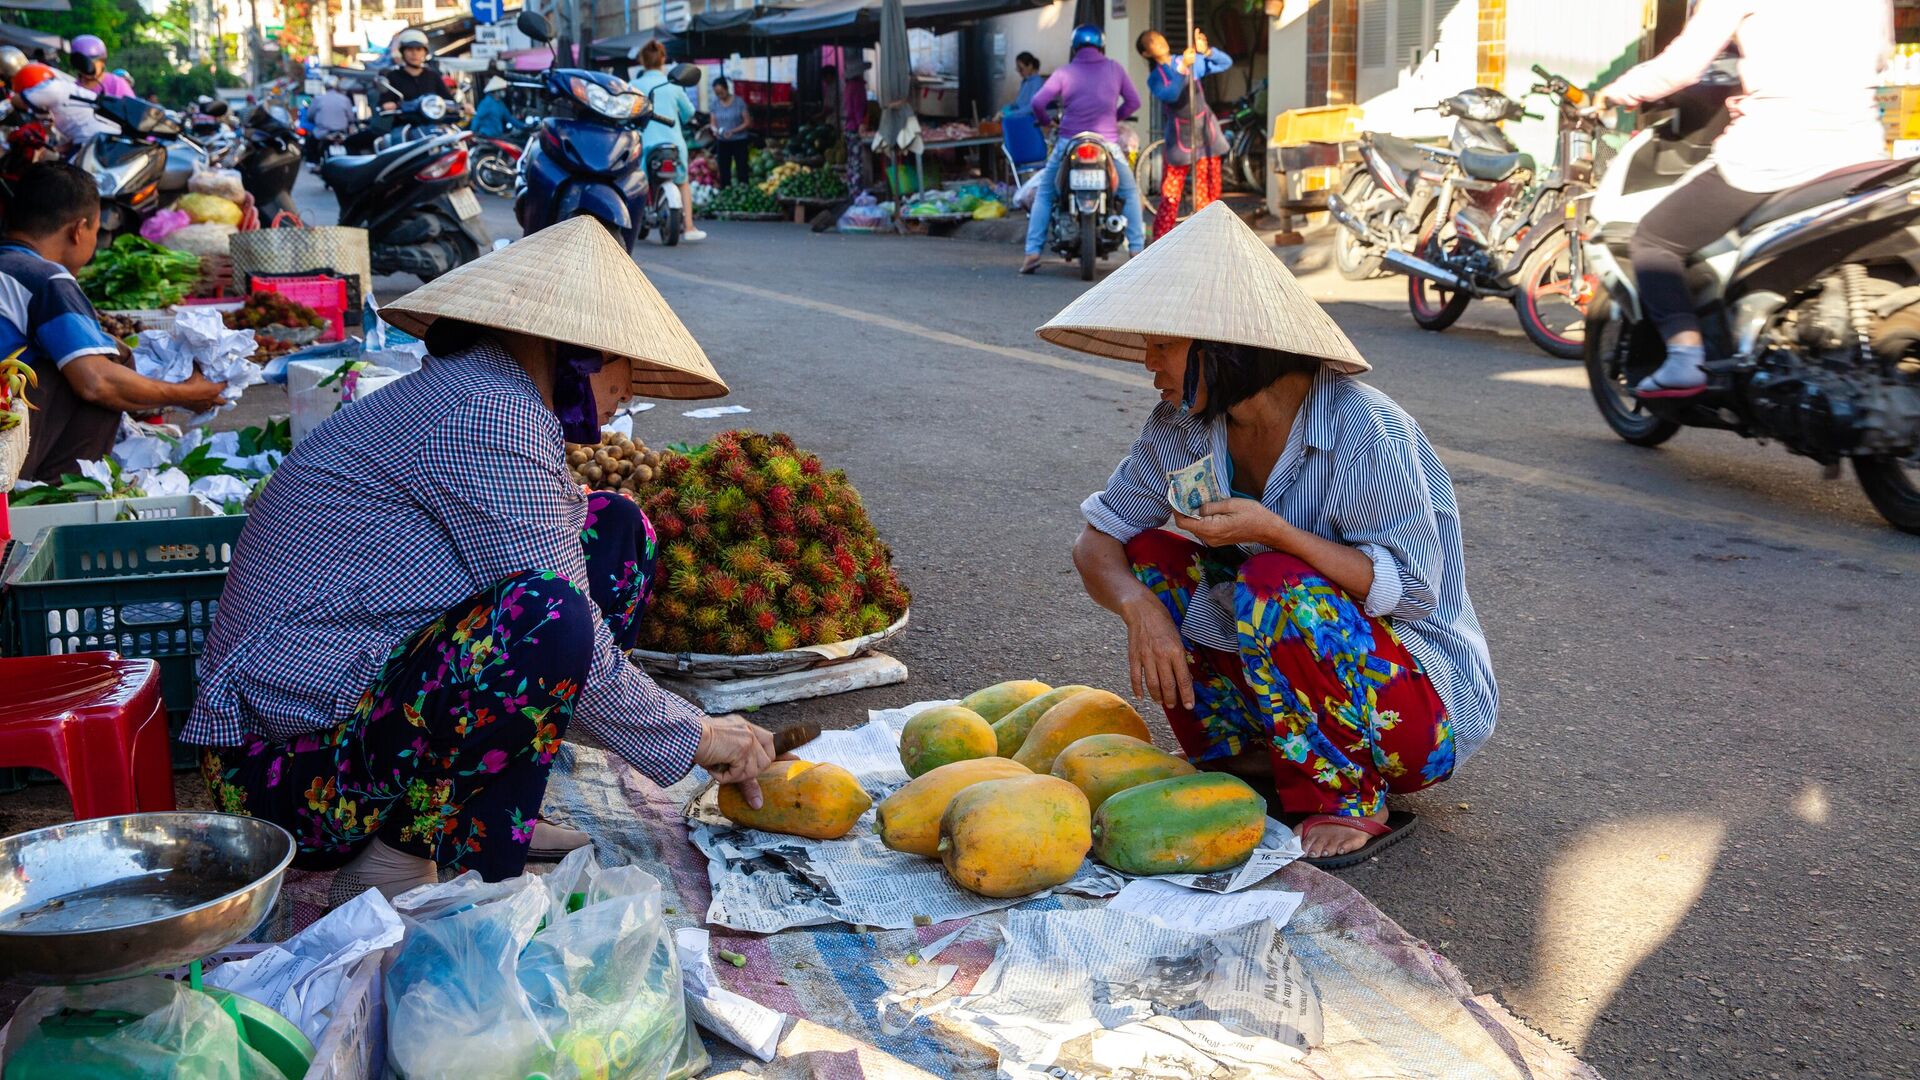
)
(1384, 835)
(1661, 391)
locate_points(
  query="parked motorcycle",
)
(1087, 224)
(1811, 307)
(141, 168)
(413, 197)
(268, 155)
(662, 209)
(587, 157)
(496, 160)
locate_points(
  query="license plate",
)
(464, 203)
(1087, 180)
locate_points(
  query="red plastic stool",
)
(94, 720)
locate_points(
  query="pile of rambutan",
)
(762, 549)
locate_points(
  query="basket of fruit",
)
(768, 562)
(278, 324)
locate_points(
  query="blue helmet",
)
(1089, 34)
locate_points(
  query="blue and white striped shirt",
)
(1356, 470)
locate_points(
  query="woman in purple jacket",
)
(1094, 93)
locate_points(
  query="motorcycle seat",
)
(1488, 165)
(350, 170)
(1810, 194)
(1404, 154)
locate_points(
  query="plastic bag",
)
(864, 215)
(1023, 195)
(180, 1033)
(205, 239)
(225, 183)
(572, 975)
(214, 209)
(164, 224)
(990, 211)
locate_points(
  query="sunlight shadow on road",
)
(1567, 377)
(1612, 898)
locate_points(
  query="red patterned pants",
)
(1329, 691)
(1206, 188)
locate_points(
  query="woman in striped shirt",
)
(1318, 636)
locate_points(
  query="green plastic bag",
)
(61, 1031)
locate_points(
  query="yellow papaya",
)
(1011, 730)
(1000, 699)
(1091, 712)
(800, 798)
(941, 735)
(1184, 825)
(909, 819)
(1104, 765)
(1015, 836)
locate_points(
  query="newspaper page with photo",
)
(1103, 993)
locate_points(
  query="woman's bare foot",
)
(1327, 839)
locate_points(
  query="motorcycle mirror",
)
(685, 76)
(534, 25)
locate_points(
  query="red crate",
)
(325, 295)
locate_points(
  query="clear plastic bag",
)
(572, 975)
(181, 1032)
(225, 183)
(864, 215)
(163, 224)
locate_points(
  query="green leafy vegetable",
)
(136, 274)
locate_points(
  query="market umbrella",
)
(899, 128)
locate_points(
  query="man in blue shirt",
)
(53, 225)
(491, 118)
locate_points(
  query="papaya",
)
(1183, 825)
(909, 819)
(1103, 765)
(1000, 699)
(1091, 712)
(1011, 730)
(1015, 836)
(941, 735)
(800, 798)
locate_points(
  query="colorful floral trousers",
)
(1206, 189)
(446, 756)
(1331, 693)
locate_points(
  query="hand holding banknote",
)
(1195, 486)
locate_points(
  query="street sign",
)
(488, 11)
(676, 15)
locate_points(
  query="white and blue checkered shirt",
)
(393, 510)
(1356, 470)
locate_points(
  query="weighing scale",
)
(127, 898)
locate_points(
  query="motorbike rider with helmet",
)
(1094, 93)
(415, 76)
(71, 101)
(11, 61)
(1795, 121)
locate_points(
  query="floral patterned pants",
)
(446, 755)
(1339, 703)
(1206, 189)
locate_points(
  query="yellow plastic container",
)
(1321, 124)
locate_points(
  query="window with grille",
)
(1398, 34)
(1373, 33)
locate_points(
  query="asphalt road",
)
(1688, 848)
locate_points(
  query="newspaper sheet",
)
(1103, 993)
(764, 882)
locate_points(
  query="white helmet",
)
(409, 36)
(11, 61)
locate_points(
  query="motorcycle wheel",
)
(1891, 484)
(1351, 255)
(1089, 244)
(672, 224)
(1548, 303)
(493, 173)
(1253, 162)
(1434, 307)
(1610, 380)
(1148, 170)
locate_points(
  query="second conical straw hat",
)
(1210, 279)
(570, 282)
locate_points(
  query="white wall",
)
(1047, 32)
(1579, 41)
(1287, 61)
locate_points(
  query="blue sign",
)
(488, 12)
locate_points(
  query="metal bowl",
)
(116, 897)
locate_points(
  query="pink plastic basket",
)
(325, 295)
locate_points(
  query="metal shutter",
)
(1373, 33)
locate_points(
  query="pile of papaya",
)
(1012, 787)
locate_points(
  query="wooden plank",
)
(732, 695)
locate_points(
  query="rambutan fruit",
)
(778, 499)
(749, 519)
(800, 598)
(754, 594)
(669, 526)
(740, 643)
(686, 581)
(674, 466)
(708, 618)
(826, 576)
(671, 610)
(711, 641)
(722, 587)
(832, 602)
(810, 465)
(744, 560)
(873, 620)
(773, 575)
(696, 510)
(755, 485)
(677, 556)
(737, 472)
(700, 534)
(676, 639)
(807, 628)
(813, 555)
(785, 548)
(763, 619)
(782, 441)
(829, 630)
(728, 502)
(782, 524)
(837, 512)
(783, 469)
(844, 559)
(810, 518)
(781, 638)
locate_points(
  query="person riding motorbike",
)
(415, 76)
(71, 102)
(669, 101)
(11, 61)
(331, 113)
(1795, 121)
(1095, 93)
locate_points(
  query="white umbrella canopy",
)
(899, 128)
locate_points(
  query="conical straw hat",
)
(570, 282)
(1210, 279)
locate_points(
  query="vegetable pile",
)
(762, 549)
(812, 184)
(264, 309)
(136, 274)
(743, 199)
(779, 175)
(811, 140)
